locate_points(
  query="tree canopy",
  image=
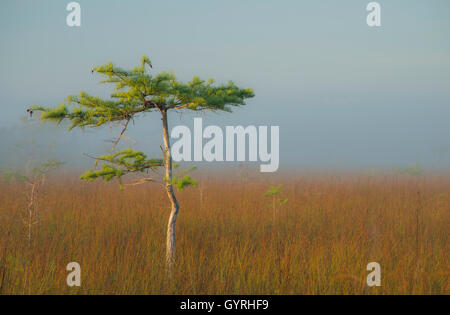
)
(137, 92)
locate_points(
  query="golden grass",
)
(320, 243)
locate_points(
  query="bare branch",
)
(143, 181)
(121, 134)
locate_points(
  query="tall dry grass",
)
(227, 240)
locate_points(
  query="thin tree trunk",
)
(175, 207)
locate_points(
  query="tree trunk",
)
(175, 207)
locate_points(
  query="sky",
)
(344, 94)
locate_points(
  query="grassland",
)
(227, 240)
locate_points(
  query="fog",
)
(345, 96)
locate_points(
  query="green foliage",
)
(107, 172)
(183, 182)
(282, 201)
(24, 175)
(121, 163)
(182, 179)
(136, 91)
(47, 166)
(414, 170)
(9, 175)
(273, 190)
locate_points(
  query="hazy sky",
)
(344, 94)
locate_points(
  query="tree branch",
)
(121, 133)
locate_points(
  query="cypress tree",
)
(136, 92)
